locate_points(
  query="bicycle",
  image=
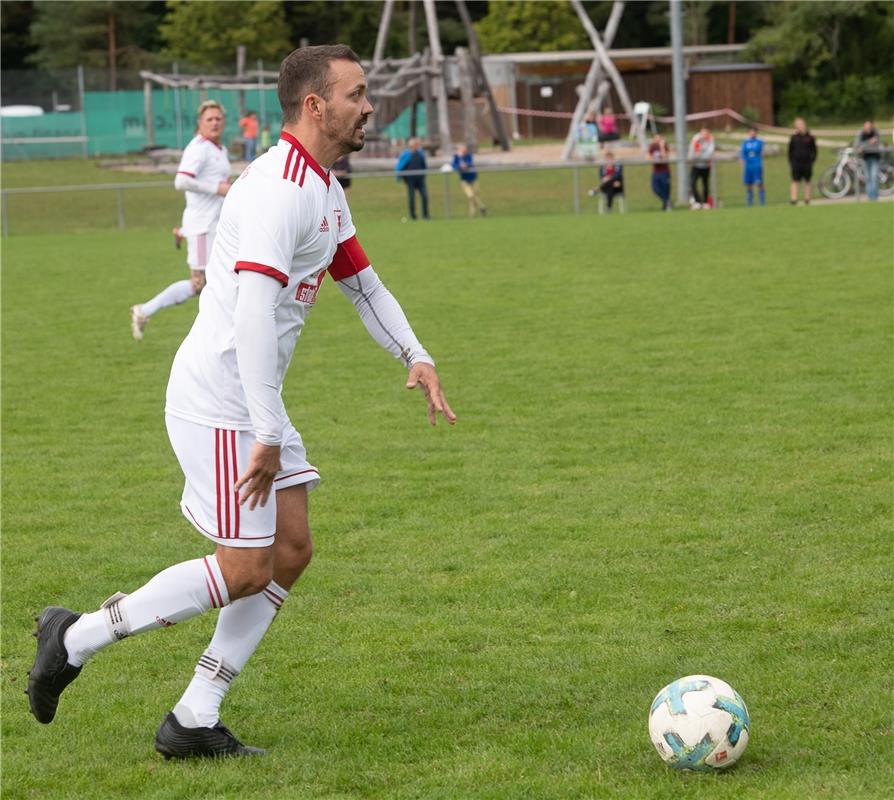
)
(848, 175)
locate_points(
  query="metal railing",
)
(449, 181)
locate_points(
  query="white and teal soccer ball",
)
(699, 723)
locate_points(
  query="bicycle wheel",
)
(886, 180)
(835, 183)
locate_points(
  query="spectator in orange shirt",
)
(249, 127)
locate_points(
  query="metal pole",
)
(575, 182)
(81, 94)
(447, 195)
(262, 106)
(119, 194)
(147, 113)
(177, 109)
(679, 83)
(4, 212)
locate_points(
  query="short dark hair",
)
(306, 71)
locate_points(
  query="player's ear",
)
(313, 105)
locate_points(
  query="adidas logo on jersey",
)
(324, 225)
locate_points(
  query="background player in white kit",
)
(204, 176)
(285, 223)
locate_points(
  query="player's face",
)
(348, 107)
(211, 124)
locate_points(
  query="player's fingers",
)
(412, 381)
(447, 411)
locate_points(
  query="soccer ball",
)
(699, 723)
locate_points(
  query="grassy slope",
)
(673, 456)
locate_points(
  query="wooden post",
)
(467, 92)
(611, 69)
(382, 35)
(594, 76)
(499, 129)
(414, 123)
(434, 42)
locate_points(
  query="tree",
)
(92, 34)
(518, 26)
(15, 23)
(209, 33)
(834, 60)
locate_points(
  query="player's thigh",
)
(212, 460)
(198, 249)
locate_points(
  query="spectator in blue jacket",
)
(413, 160)
(468, 179)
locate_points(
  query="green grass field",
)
(673, 456)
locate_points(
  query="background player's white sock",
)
(175, 594)
(240, 628)
(175, 294)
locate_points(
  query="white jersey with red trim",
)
(286, 218)
(209, 164)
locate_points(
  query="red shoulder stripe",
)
(349, 259)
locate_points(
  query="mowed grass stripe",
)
(673, 456)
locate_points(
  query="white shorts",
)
(212, 460)
(198, 249)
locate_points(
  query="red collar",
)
(286, 136)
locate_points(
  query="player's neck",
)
(323, 151)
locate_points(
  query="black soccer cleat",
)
(51, 672)
(175, 741)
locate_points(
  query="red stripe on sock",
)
(213, 584)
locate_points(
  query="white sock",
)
(175, 594)
(240, 628)
(175, 294)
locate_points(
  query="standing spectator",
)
(801, 155)
(701, 153)
(249, 127)
(203, 175)
(611, 179)
(661, 176)
(868, 144)
(412, 160)
(468, 179)
(751, 154)
(608, 126)
(342, 170)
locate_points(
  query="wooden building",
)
(547, 84)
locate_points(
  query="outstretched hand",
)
(424, 375)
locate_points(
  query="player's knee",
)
(246, 572)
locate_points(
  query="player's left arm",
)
(387, 324)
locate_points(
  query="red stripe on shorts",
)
(235, 479)
(217, 475)
(226, 474)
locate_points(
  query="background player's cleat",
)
(137, 322)
(51, 672)
(173, 740)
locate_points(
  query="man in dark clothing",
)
(801, 155)
(661, 176)
(868, 144)
(411, 160)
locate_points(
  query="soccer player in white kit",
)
(203, 175)
(285, 224)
